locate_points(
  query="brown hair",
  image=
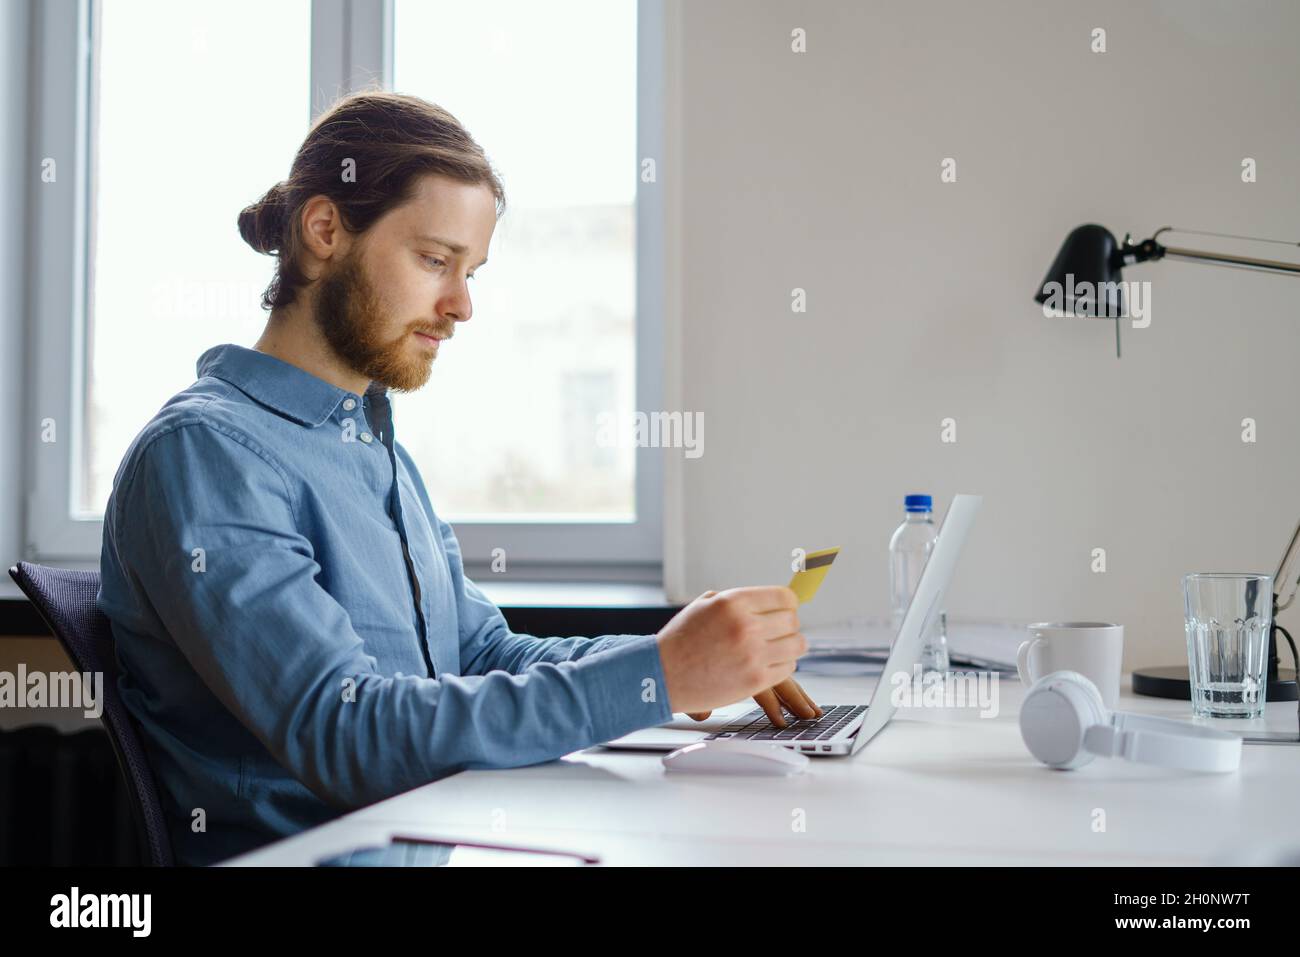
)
(391, 139)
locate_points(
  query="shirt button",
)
(366, 437)
(349, 404)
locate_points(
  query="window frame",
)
(351, 49)
(60, 228)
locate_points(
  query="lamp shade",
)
(1084, 279)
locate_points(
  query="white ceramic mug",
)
(1095, 649)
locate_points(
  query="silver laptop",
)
(843, 728)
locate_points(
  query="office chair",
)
(66, 599)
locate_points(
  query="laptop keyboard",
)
(755, 725)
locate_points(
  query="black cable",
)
(1295, 658)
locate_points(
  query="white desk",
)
(937, 786)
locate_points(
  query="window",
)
(552, 343)
(167, 119)
(196, 115)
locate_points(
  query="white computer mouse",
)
(732, 756)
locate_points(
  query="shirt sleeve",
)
(281, 654)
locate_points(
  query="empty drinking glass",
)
(1228, 618)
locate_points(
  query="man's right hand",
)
(729, 645)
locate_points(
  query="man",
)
(294, 627)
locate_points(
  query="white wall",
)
(821, 170)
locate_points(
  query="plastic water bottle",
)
(909, 548)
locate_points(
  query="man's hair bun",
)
(262, 224)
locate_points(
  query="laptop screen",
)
(926, 602)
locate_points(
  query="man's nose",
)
(458, 308)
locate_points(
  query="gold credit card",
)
(815, 566)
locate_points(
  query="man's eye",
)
(439, 262)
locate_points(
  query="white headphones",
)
(1065, 725)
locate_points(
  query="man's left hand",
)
(787, 693)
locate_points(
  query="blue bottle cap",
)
(918, 503)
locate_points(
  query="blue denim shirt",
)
(294, 628)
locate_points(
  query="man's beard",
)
(352, 317)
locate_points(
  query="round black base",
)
(1173, 682)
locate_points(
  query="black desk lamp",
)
(1085, 276)
(1085, 282)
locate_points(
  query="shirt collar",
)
(293, 392)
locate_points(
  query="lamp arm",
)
(1288, 573)
(1226, 259)
(1151, 249)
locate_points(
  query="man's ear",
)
(323, 234)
